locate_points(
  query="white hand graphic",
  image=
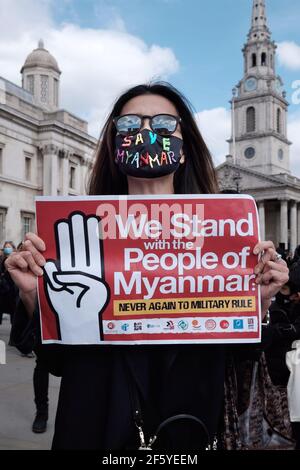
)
(76, 290)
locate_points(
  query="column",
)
(50, 170)
(293, 226)
(261, 215)
(298, 224)
(284, 223)
(88, 166)
(82, 176)
(65, 172)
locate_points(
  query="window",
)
(27, 223)
(27, 168)
(250, 120)
(44, 88)
(271, 60)
(278, 124)
(1, 160)
(280, 155)
(30, 83)
(264, 59)
(2, 224)
(55, 91)
(253, 60)
(72, 175)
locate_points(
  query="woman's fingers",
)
(268, 253)
(25, 265)
(38, 243)
(23, 261)
(271, 273)
(35, 268)
(38, 257)
(262, 246)
(278, 272)
(15, 260)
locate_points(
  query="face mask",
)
(7, 250)
(148, 155)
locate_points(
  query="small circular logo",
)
(224, 324)
(183, 324)
(210, 324)
(110, 325)
(196, 324)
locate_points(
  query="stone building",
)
(259, 163)
(44, 150)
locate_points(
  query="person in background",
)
(285, 329)
(8, 290)
(40, 386)
(284, 326)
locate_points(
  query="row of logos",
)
(180, 325)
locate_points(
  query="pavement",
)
(17, 408)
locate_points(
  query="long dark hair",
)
(195, 176)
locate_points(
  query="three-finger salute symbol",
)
(74, 283)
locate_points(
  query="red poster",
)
(149, 269)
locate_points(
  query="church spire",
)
(259, 28)
(259, 108)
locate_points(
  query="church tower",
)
(259, 131)
(40, 76)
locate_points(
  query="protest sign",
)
(149, 269)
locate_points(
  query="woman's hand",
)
(25, 266)
(271, 273)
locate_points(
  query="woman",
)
(8, 291)
(102, 387)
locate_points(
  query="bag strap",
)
(135, 405)
(182, 417)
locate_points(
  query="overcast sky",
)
(105, 46)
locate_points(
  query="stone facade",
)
(259, 163)
(44, 150)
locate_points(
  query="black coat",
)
(284, 328)
(8, 290)
(95, 407)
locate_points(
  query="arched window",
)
(250, 120)
(253, 60)
(264, 59)
(272, 60)
(279, 121)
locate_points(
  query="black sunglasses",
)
(130, 124)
